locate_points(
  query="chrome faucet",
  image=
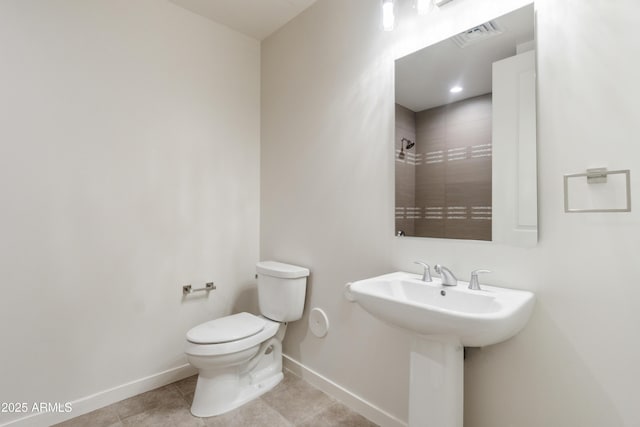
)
(426, 274)
(448, 278)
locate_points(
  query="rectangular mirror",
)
(465, 135)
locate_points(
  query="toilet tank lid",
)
(279, 269)
(225, 329)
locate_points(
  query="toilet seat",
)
(226, 329)
(238, 326)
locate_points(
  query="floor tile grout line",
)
(287, 420)
(310, 416)
(318, 412)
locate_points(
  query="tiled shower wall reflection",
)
(405, 171)
(450, 165)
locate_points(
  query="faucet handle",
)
(426, 274)
(474, 284)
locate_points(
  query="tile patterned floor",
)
(293, 403)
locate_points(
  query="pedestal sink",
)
(443, 319)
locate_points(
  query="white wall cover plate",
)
(318, 322)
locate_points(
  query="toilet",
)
(239, 357)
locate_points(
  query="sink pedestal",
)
(436, 383)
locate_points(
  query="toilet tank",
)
(281, 290)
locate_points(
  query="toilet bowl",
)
(239, 357)
(226, 353)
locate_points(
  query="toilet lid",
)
(225, 329)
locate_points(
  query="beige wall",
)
(129, 165)
(327, 100)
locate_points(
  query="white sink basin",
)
(476, 318)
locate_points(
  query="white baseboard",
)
(356, 403)
(104, 398)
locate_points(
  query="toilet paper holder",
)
(188, 289)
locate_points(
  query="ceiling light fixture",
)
(387, 15)
(456, 89)
(423, 6)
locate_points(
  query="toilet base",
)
(202, 407)
(227, 382)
